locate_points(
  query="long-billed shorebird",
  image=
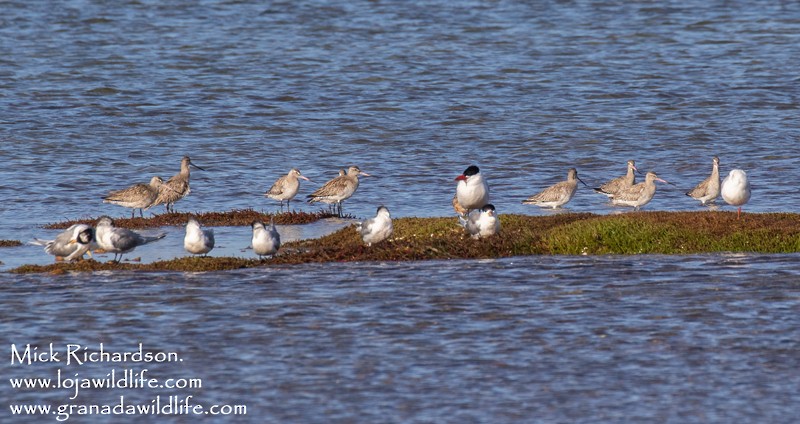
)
(266, 241)
(286, 187)
(638, 195)
(736, 190)
(472, 191)
(70, 244)
(378, 229)
(338, 189)
(118, 240)
(177, 187)
(198, 240)
(137, 196)
(481, 223)
(628, 180)
(558, 194)
(708, 190)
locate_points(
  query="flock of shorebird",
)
(471, 201)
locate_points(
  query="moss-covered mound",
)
(233, 218)
(10, 243)
(442, 238)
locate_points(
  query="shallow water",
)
(97, 96)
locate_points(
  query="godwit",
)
(119, 240)
(638, 195)
(558, 194)
(708, 190)
(612, 187)
(338, 189)
(177, 187)
(266, 241)
(457, 206)
(198, 241)
(285, 188)
(70, 244)
(378, 229)
(481, 223)
(137, 196)
(472, 192)
(736, 190)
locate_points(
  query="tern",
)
(119, 240)
(481, 223)
(198, 240)
(472, 192)
(70, 244)
(266, 241)
(378, 229)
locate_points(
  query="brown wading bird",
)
(558, 194)
(638, 195)
(137, 196)
(286, 187)
(338, 189)
(177, 187)
(612, 187)
(708, 190)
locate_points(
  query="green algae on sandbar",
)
(567, 233)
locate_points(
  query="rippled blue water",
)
(96, 96)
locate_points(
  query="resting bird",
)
(472, 192)
(177, 187)
(266, 241)
(612, 187)
(481, 223)
(378, 229)
(198, 240)
(708, 190)
(736, 190)
(338, 189)
(137, 196)
(286, 187)
(558, 194)
(639, 194)
(118, 240)
(70, 244)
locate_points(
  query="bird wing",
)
(278, 187)
(700, 190)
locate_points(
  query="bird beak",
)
(302, 177)
(461, 177)
(190, 163)
(637, 170)
(579, 179)
(665, 181)
(364, 174)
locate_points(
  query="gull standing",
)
(558, 194)
(266, 241)
(285, 188)
(708, 190)
(736, 190)
(177, 187)
(481, 223)
(612, 187)
(639, 194)
(472, 192)
(119, 240)
(137, 196)
(198, 240)
(338, 189)
(378, 229)
(70, 244)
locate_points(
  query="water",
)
(97, 96)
